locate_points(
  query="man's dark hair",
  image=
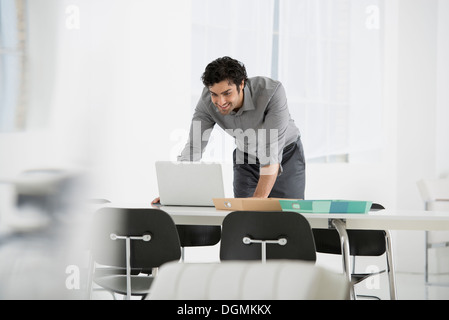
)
(224, 68)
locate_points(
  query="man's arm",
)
(200, 131)
(268, 175)
(270, 154)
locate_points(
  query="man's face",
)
(226, 97)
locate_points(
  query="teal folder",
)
(326, 206)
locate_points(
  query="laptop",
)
(189, 183)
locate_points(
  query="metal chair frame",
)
(281, 242)
(354, 278)
(128, 239)
(432, 246)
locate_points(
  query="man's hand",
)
(156, 201)
(267, 178)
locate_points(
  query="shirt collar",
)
(247, 102)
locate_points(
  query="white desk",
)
(379, 220)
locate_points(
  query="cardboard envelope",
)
(247, 204)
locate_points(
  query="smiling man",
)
(269, 158)
(228, 96)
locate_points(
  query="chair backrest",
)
(108, 223)
(290, 230)
(361, 242)
(435, 193)
(198, 235)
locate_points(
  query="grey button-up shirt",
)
(261, 128)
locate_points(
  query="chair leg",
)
(344, 242)
(89, 279)
(182, 254)
(426, 270)
(390, 265)
(390, 268)
(90, 276)
(128, 268)
(429, 246)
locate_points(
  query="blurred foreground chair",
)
(367, 243)
(256, 235)
(131, 240)
(44, 198)
(248, 280)
(435, 194)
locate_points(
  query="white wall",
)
(442, 116)
(139, 94)
(416, 113)
(121, 96)
(422, 144)
(106, 91)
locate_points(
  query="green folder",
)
(326, 206)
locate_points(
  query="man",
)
(269, 158)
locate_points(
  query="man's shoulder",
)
(261, 83)
(204, 101)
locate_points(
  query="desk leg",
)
(344, 241)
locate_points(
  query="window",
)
(12, 65)
(239, 29)
(327, 53)
(330, 63)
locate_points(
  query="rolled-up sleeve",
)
(273, 138)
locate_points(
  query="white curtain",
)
(329, 58)
(12, 59)
(241, 29)
(330, 61)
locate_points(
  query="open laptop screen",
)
(189, 183)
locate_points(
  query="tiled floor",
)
(411, 287)
(408, 287)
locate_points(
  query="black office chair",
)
(132, 239)
(197, 236)
(254, 235)
(361, 243)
